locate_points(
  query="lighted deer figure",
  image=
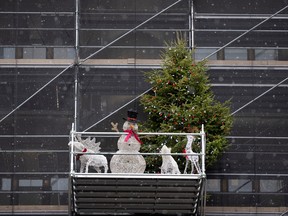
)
(96, 161)
(194, 159)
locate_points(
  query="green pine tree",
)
(182, 99)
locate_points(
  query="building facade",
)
(83, 62)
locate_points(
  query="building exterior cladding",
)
(106, 46)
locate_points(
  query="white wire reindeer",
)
(194, 159)
(94, 160)
(169, 165)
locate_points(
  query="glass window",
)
(64, 53)
(235, 54)
(271, 185)
(30, 183)
(239, 185)
(266, 54)
(6, 184)
(34, 53)
(213, 185)
(59, 184)
(9, 53)
(201, 53)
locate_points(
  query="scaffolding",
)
(77, 63)
(134, 193)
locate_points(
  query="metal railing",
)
(73, 153)
(199, 178)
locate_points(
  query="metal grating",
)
(130, 195)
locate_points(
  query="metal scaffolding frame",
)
(191, 45)
(78, 62)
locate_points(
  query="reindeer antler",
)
(78, 138)
(114, 126)
(89, 143)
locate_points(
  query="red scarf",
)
(184, 151)
(132, 133)
(79, 155)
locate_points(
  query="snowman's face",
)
(130, 126)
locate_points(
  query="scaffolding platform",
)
(134, 193)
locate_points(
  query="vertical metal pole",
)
(192, 28)
(71, 171)
(203, 143)
(190, 21)
(76, 64)
(203, 189)
(71, 148)
(77, 31)
(203, 196)
(75, 124)
(76, 98)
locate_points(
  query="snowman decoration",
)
(127, 159)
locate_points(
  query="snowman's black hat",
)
(131, 116)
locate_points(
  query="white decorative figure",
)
(193, 159)
(169, 165)
(127, 159)
(94, 160)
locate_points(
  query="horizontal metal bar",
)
(35, 12)
(136, 175)
(254, 137)
(255, 152)
(255, 67)
(36, 46)
(34, 151)
(38, 29)
(250, 174)
(34, 173)
(241, 30)
(127, 47)
(142, 66)
(33, 66)
(245, 48)
(138, 30)
(132, 13)
(140, 133)
(149, 66)
(249, 193)
(139, 153)
(33, 191)
(238, 16)
(245, 85)
(33, 136)
(130, 47)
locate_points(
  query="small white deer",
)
(194, 159)
(95, 160)
(169, 165)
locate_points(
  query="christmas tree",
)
(181, 99)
